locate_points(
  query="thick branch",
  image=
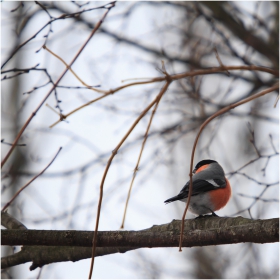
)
(43, 255)
(200, 232)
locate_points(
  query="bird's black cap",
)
(204, 162)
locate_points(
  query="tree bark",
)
(200, 232)
(47, 246)
(43, 255)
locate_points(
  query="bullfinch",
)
(211, 190)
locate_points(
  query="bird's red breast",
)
(220, 197)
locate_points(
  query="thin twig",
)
(276, 101)
(138, 162)
(255, 200)
(52, 109)
(33, 179)
(54, 86)
(251, 130)
(271, 142)
(163, 90)
(40, 272)
(109, 92)
(230, 174)
(219, 60)
(174, 77)
(63, 117)
(35, 68)
(9, 144)
(72, 71)
(62, 17)
(220, 112)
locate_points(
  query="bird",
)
(211, 190)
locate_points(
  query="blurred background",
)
(131, 44)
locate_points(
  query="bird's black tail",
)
(174, 198)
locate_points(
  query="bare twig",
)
(27, 184)
(220, 112)
(52, 109)
(163, 90)
(276, 101)
(72, 71)
(39, 274)
(174, 77)
(54, 86)
(271, 141)
(62, 17)
(63, 117)
(251, 130)
(215, 70)
(44, 8)
(219, 60)
(19, 6)
(9, 144)
(230, 174)
(34, 68)
(138, 162)
(264, 168)
(257, 198)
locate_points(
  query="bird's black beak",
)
(194, 170)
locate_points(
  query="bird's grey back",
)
(214, 173)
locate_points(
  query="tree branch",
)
(10, 222)
(43, 255)
(56, 83)
(239, 31)
(199, 232)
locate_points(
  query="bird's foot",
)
(203, 216)
(207, 216)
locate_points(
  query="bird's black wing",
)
(199, 186)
